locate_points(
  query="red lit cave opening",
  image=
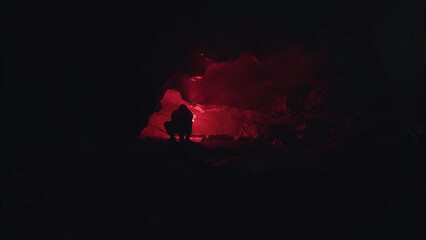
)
(274, 100)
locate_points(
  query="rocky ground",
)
(349, 185)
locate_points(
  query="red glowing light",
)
(196, 78)
(211, 119)
(241, 98)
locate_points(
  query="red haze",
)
(240, 98)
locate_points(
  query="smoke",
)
(250, 84)
(242, 98)
(208, 119)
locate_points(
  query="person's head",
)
(183, 107)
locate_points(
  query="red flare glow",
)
(242, 98)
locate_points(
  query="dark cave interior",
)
(308, 120)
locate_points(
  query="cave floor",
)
(322, 188)
(355, 187)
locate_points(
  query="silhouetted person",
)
(180, 124)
